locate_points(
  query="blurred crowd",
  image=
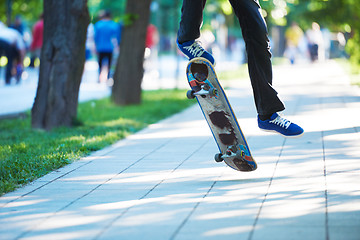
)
(20, 46)
(17, 43)
(297, 45)
(315, 44)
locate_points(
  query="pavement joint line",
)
(326, 189)
(112, 149)
(147, 193)
(327, 235)
(251, 234)
(45, 184)
(104, 153)
(152, 189)
(194, 209)
(86, 194)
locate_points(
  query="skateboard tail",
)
(241, 164)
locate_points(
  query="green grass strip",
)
(27, 154)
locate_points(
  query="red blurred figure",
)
(37, 42)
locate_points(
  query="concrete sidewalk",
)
(162, 183)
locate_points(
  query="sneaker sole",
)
(287, 136)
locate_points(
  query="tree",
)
(129, 68)
(62, 63)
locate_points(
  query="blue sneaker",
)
(280, 125)
(193, 49)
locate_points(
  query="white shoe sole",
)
(291, 136)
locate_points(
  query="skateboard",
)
(205, 87)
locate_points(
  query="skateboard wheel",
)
(240, 154)
(190, 94)
(212, 92)
(218, 157)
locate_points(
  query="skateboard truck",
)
(203, 92)
(231, 152)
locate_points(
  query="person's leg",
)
(258, 51)
(260, 69)
(3, 52)
(189, 30)
(10, 54)
(191, 20)
(109, 57)
(18, 65)
(100, 60)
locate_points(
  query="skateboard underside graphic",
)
(205, 87)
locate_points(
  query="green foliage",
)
(30, 10)
(117, 8)
(333, 14)
(165, 14)
(27, 154)
(353, 49)
(129, 18)
(336, 15)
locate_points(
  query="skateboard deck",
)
(205, 87)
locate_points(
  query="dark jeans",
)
(255, 34)
(101, 57)
(11, 54)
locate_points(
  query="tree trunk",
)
(129, 68)
(62, 63)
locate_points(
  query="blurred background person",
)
(13, 47)
(293, 35)
(18, 25)
(37, 41)
(315, 43)
(152, 38)
(151, 51)
(106, 40)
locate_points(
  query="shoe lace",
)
(195, 49)
(282, 122)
